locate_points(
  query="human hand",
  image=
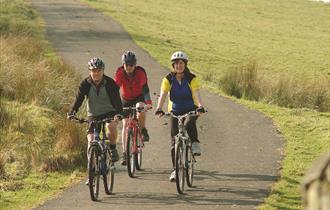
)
(159, 112)
(148, 107)
(118, 117)
(70, 115)
(200, 110)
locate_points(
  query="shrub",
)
(243, 82)
(246, 81)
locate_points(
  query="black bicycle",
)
(184, 158)
(99, 159)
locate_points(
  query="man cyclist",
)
(133, 83)
(103, 100)
(182, 86)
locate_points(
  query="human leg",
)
(190, 125)
(142, 122)
(123, 141)
(112, 135)
(174, 131)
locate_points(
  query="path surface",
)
(240, 147)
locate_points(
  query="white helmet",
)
(179, 55)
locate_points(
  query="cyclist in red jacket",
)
(133, 83)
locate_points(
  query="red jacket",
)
(134, 86)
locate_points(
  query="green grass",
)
(307, 135)
(35, 189)
(288, 40)
(40, 151)
(283, 36)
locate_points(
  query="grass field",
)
(40, 151)
(285, 37)
(287, 40)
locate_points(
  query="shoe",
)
(114, 155)
(172, 176)
(87, 182)
(123, 159)
(145, 134)
(196, 150)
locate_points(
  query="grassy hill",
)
(40, 151)
(287, 42)
(273, 53)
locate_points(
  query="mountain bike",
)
(99, 159)
(184, 158)
(134, 141)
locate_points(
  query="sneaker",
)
(123, 159)
(114, 155)
(145, 134)
(87, 182)
(196, 149)
(172, 176)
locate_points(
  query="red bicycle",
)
(134, 141)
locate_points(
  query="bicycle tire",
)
(130, 159)
(109, 177)
(179, 167)
(138, 156)
(93, 173)
(189, 166)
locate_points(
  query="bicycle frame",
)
(184, 159)
(183, 136)
(99, 159)
(132, 124)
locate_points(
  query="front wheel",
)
(130, 155)
(94, 173)
(109, 176)
(189, 166)
(179, 167)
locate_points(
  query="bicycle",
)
(134, 141)
(99, 159)
(184, 158)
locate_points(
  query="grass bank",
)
(40, 151)
(273, 52)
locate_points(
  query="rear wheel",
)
(138, 156)
(108, 178)
(130, 157)
(94, 173)
(179, 167)
(189, 166)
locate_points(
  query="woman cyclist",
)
(182, 86)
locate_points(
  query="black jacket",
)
(111, 88)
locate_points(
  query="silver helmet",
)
(95, 63)
(179, 55)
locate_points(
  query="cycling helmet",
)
(128, 58)
(179, 55)
(95, 63)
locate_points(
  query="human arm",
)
(80, 96)
(197, 95)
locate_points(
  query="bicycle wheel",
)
(189, 166)
(130, 159)
(93, 173)
(138, 156)
(179, 167)
(109, 177)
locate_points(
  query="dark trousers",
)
(190, 126)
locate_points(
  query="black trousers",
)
(190, 126)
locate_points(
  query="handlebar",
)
(138, 109)
(192, 113)
(105, 120)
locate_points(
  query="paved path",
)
(240, 147)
